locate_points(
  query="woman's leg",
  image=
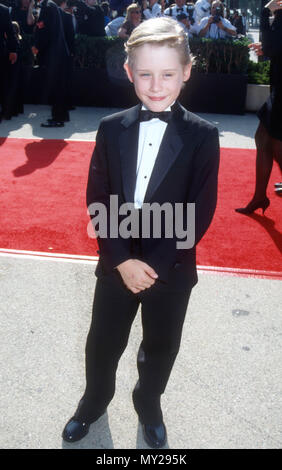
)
(264, 163)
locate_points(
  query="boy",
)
(140, 162)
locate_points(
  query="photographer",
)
(151, 10)
(190, 27)
(216, 26)
(114, 25)
(180, 8)
(89, 17)
(238, 22)
(202, 9)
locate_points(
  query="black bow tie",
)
(180, 9)
(147, 115)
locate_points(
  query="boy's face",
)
(157, 75)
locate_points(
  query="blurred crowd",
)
(53, 24)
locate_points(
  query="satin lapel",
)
(170, 148)
(128, 141)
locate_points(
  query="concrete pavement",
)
(225, 388)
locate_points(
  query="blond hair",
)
(163, 31)
(130, 9)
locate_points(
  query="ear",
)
(128, 72)
(187, 72)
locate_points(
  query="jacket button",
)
(177, 265)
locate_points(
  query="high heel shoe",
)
(253, 206)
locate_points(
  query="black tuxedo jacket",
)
(53, 53)
(90, 20)
(8, 41)
(68, 30)
(49, 38)
(185, 171)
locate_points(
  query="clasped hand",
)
(137, 275)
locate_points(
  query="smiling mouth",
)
(156, 98)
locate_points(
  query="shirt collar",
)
(167, 109)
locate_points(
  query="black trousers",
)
(114, 309)
(60, 112)
(4, 66)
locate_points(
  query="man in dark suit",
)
(8, 50)
(90, 18)
(70, 40)
(156, 155)
(53, 57)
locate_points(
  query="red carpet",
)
(42, 203)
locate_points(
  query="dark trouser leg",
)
(264, 162)
(60, 112)
(59, 102)
(114, 309)
(4, 64)
(163, 314)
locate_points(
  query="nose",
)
(155, 84)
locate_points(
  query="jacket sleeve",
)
(70, 34)
(12, 44)
(271, 35)
(203, 190)
(42, 34)
(113, 251)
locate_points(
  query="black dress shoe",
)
(155, 436)
(51, 123)
(75, 430)
(67, 119)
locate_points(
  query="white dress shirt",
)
(202, 9)
(150, 137)
(113, 26)
(154, 12)
(174, 11)
(214, 32)
(192, 31)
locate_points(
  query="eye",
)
(144, 75)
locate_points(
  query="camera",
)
(217, 16)
(181, 17)
(190, 12)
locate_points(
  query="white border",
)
(41, 255)
(48, 256)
